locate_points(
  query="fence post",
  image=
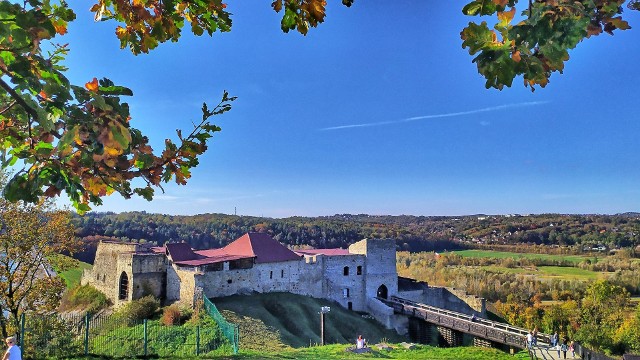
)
(86, 334)
(145, 338)
(236, 346)
(21, 340)
(197, 340)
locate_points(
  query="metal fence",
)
(43, 336)
(230, 331)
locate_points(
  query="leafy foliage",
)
(84, 297)
(135, 311)
(78, 139)
(32, 235)
(539, 45)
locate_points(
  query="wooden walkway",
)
(482, 328)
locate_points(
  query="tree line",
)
(571, 233)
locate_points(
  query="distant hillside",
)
(412, 233)
(276, 321)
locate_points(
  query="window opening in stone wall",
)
(346, 271)
(359, 270)
(350, 305)
(281, 273)
(104, 277)
(270, 274)
(345, 292)
(124, 286)
(229, 281)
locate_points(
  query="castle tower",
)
(381, 276)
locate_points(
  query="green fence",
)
(229, 330)
(43, 336)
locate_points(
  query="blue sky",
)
(379, 110)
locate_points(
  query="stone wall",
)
(344, 279)
(112, 258)
(450, 299)
(149, 275)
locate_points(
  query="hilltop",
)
(412, 233)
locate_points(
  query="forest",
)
(412, 233)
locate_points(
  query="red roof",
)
(258, 245)
(181, 252)
(210, 260)
(328, 252)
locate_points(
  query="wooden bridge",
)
(492, 331)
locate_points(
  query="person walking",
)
(564, 347)
(554, 339)
(572, 349)
(13, 350)
(529, 340)
(535, 336)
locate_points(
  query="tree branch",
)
(31, 111)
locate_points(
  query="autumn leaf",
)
(516, 56)
(92, 85)
(502, 3)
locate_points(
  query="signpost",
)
(323, 310)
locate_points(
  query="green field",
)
(504, 254)
(548, 272)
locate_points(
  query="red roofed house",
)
(255, 262)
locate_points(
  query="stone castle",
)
(353, 277)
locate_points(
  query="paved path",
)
(545, 352)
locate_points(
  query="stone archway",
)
(382, 292)
(123, 286)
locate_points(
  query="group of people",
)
(554, 342)
(13, 350)
(565, 346)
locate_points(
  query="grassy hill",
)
(283, 320)
(72, 276)
(287, 326)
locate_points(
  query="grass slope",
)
(72, 276)
(277, 321)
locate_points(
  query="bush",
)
(138, 310)
(84, 297)
(171, 316)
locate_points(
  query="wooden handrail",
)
(488, 324)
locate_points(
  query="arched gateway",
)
(382, 292)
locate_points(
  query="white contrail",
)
(436, 116)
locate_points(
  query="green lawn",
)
(420, 352)
(338, 352)
(504, 254)
(72, 276)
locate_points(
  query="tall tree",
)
(31, 238)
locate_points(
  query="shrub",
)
(171, 315)
(84, 297)
(138, 310)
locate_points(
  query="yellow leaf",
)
(505, 17)
(502, 3)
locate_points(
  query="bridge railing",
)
(494, 325)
